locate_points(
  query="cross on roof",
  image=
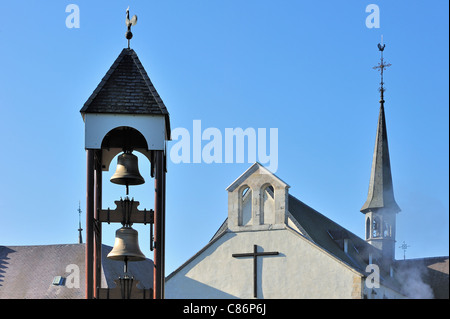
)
(381, 67)
(404, 246)
(255, 254)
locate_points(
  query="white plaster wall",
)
(301, 270)
(152, 127)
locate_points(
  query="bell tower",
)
(257, 200)
(125, 114)
(380, 208)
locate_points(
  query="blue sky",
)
(303, 67)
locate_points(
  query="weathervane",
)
(404, 246)
(129, 23)
(382, 66)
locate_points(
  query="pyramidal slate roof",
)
(381, 190)
(126, 88)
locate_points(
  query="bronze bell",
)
(127, 171)
(126, 246)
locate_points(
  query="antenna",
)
(80, 237)
(381, 67)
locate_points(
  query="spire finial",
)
(129, 23)
(381, 66)
(404, 246)
(80, 238)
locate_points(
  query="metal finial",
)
(80, 238)
(381, 66)
(381, 45)
(129, 23)
(404, 246)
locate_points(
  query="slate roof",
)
(330, 236)
(27, 272)
(381, 190)
(126, 88)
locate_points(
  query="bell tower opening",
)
(368, 227)
(268, 205)
(257, 200)
(376, 228)
(245, 209)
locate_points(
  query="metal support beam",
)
(158, 274)
(97, 224)
(163, 226)
(89, 223)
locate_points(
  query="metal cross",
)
(404, 246)
(255, 254)
(381, 66)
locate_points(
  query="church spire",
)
(380, 208)
(381, 192)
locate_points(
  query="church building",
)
(273, 245)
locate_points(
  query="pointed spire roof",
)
(126, 89)
(381, 191)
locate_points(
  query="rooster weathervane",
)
(381, 67)
(129, 23)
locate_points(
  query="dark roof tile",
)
(126, 88)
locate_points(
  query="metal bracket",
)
(126, 213)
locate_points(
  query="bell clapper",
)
(125, 267)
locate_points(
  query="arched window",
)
(245, 207)
(368, 228)
(267, 205)
(387, 230)
(376, 227)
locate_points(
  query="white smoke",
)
(412, 282)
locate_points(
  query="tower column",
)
(89, 223)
